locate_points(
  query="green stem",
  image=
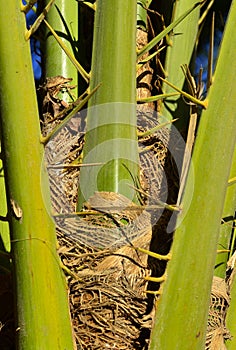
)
(111, 122)
(63, 18)
(42, 312)
(179, 53)
(184, 303)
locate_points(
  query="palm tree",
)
(106, 279)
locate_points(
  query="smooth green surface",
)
(178, 53)
(181, 317)
(114, 53)
(63, 18)
(42, 312)
(111, 135)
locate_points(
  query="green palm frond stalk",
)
(111, 135)
(42, 312)
(63, 18)
(183, 306)
(178, 53)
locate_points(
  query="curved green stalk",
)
(183, 306)
(111, 122)
(42, 312)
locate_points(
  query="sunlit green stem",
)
(180, 52)
(63, 18)
(184, 302)
(111, 122)
(42, 319)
